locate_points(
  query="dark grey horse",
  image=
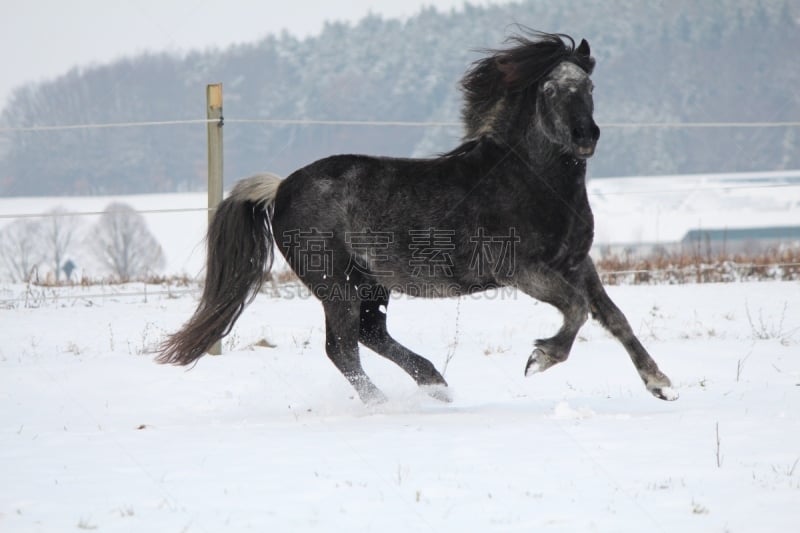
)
(507, 208)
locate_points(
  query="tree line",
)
(677, 61)
(51, 247)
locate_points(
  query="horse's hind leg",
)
(609, 315)
(341, 345)
(374, 335)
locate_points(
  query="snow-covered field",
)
(95, 436)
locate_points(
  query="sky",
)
(41, 39)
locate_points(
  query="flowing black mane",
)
(513, 71)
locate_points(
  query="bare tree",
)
(124, 244)
(59, 227)
(21, 248)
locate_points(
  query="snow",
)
(95, 435)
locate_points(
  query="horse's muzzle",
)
(584, 152)
(584, 139)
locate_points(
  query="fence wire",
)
(65, 214)
(375, 123)
(102, 125)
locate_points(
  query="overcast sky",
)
(41, 39)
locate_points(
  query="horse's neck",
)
(546, 158)
(527, 156)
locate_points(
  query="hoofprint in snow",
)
(268, 436)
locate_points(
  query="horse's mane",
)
(510, 71)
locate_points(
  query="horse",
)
(508, 207)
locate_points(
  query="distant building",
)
(747, 241)
(741, 240)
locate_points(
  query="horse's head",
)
(541, 86)
(564, 107)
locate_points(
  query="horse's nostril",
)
(586, 132)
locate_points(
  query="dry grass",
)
(174, 281)
(780, 265)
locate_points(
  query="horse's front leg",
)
(608, 314)
(551, 287)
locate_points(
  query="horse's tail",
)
(240, 252)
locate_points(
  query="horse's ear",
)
(583, 48)
(507, 69)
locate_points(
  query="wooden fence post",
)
(214, 112)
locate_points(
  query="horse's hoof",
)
(665, 393)
(438, 392)
(536, 363)
(373, 397)
(660, 386)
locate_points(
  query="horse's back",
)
(357, 192)
(402, 220)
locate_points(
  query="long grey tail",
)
(240, 251)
